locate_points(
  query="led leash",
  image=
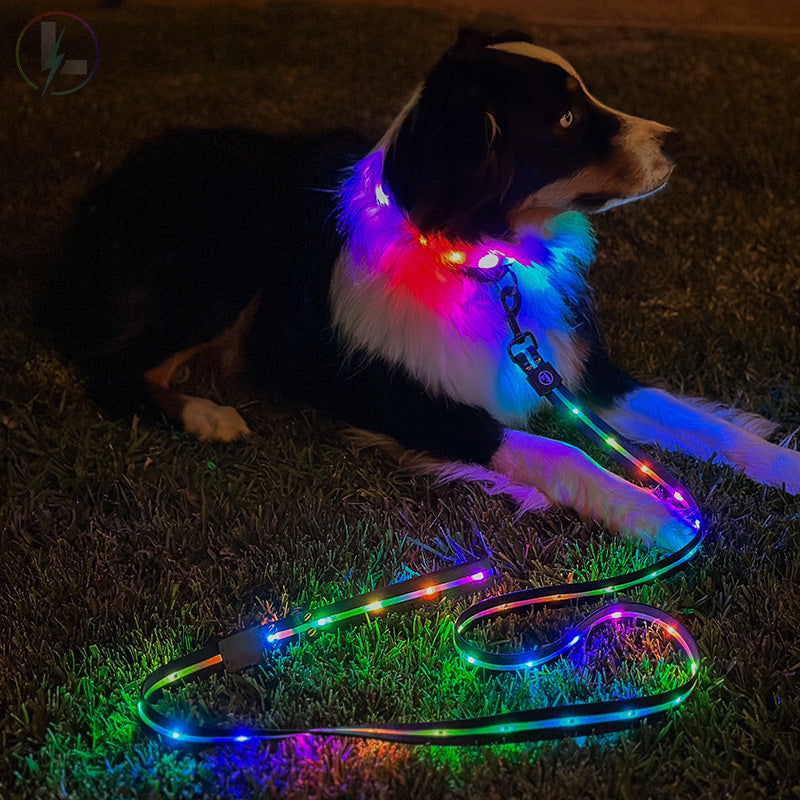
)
(246, 648)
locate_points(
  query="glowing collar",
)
(380, 236)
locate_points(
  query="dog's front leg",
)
(706, 431)
(567, 476)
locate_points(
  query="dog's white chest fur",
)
(402, 297)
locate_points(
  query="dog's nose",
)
(672, 144)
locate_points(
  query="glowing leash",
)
(246, 648)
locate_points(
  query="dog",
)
(352, 282)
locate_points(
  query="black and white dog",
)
(359, 293)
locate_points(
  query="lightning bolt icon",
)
(49, 45)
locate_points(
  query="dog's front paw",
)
(658, 527)
(210, 422)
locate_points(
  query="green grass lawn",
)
(124, 546)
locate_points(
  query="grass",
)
(124, 546)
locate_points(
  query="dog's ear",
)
(447, 167)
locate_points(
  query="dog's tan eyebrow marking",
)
(539, 53)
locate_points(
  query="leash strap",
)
(247, 647)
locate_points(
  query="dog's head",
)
(504, 134)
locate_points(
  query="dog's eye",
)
(567, 120)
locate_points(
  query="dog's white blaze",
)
(538, 53)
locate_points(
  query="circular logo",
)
(545, 377)
(58, 52)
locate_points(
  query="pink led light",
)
(679, 497)
(478, 576)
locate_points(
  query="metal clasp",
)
(523, 350)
